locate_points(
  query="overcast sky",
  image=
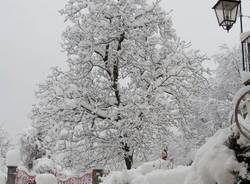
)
(30, 36)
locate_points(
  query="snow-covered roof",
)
(244, 36)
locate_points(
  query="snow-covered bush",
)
(46, 179)
(44, 165)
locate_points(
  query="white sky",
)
(30, 36)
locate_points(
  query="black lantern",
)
(226, 12)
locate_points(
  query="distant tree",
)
(5, 145)
(213, 108)
(227, 80)
(31, 147)
(129, 79)
(226, 83)
(4, 142)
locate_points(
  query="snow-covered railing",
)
(23, 177)
(85, 179)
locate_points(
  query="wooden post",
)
(11, 176)
(12, 162)
(96, 174)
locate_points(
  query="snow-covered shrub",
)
(44, 165)
(46, 179)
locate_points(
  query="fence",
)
(24, 178)
(16, 176)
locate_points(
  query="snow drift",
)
(149, 173)
(214, 163)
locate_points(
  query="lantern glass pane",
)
(219, 13)
(230, 10)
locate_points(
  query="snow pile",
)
(154, 165)
(44, 165)
(13, 158)
(46, 179)
(160, 176)
(214, 163)
(173, 176)
(149, 173)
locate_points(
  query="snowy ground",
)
(214, 163)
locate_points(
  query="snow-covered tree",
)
(214, 104)
(227, 79)
(31, 147)
(225, 84)
(4, 142)
(129, 80)
(4, 147)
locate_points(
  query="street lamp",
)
(226, 12)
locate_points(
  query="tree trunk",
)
(129, 161)
(128, 155)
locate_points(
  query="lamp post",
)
(226, 12)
